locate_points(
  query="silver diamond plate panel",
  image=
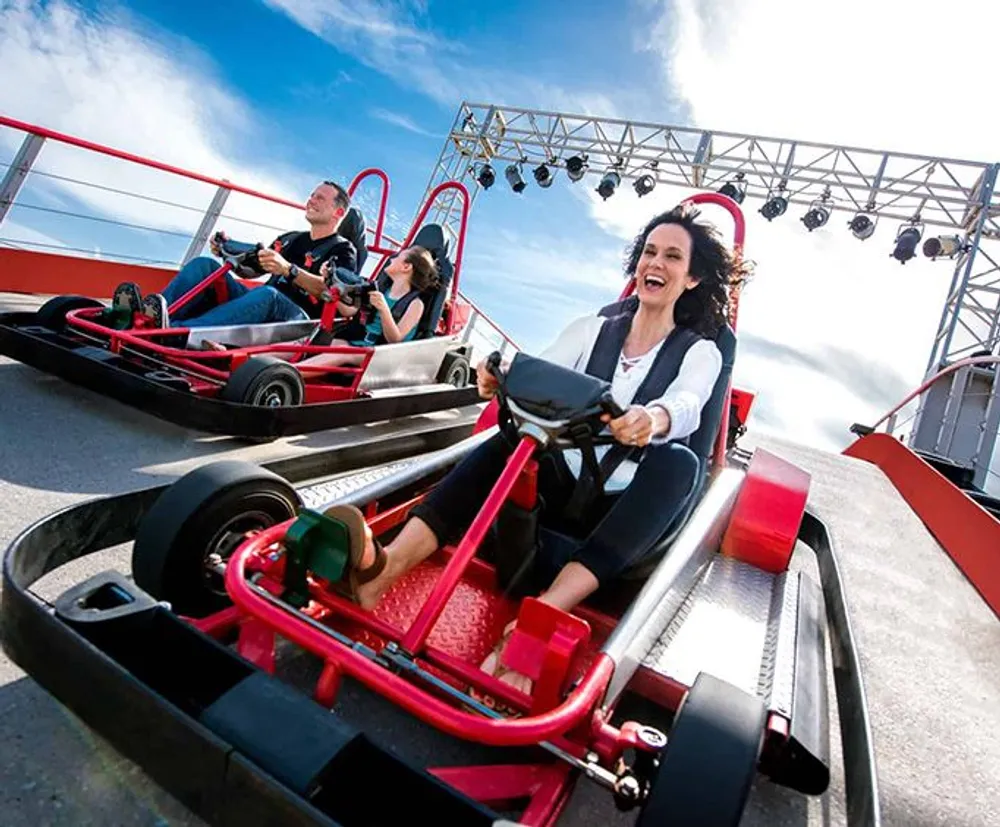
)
(721, 628)
(326, 493)
(777, 669)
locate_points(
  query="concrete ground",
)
(930, 648)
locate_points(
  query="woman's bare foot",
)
(492, 665)
(414, 543)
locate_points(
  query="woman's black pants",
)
(622, 529)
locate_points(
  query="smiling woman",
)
(657, 351)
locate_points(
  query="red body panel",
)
(768, 513)
(966, 531)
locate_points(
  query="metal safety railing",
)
(908, 410)
(125, 212)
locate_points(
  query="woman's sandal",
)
(354, 576)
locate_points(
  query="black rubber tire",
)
(455, 370)
(710, 761)
(52, 314)
(265, 381)
(207, 509)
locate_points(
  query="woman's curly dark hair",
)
(704, 308)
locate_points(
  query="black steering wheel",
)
(242, 257)
(572, 417)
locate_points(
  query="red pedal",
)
(542, 647)
(768, 512)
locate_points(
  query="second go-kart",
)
(252, 387)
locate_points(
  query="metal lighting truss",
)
(952, 197)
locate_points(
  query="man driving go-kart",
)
(293, 293)
(659, 355)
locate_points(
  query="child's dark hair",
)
(704, 308)
(425, 272)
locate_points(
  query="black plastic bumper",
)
(114, 376)
(233, 744)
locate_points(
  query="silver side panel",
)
(407, 363)
(253, 335)
(325, 493)
(722, 627)
(669, 585)
(777, 672)
(361, 487)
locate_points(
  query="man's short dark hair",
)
(341, 199)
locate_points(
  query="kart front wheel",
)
(455, 370)
(710, 760)
(52, 314)
(198, 522)
(265, 381)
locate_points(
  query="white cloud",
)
(103, 79)
(824, 293)
(394, 38)
(20, 237)
(403, 122)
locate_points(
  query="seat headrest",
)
(352, 227)
(431, 237)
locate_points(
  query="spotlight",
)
(644, 185)
(543, 176)
(862, 226)
(576, 167)
(906, 244)
(774, 207)
(735, 189)
(514, 178)
(609, 183)
(486, 176)
(943, 246)
(818, 215)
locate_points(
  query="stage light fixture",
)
(818, 215)
(515, 178)
(543, 176)
(609, 183)
(735, 189)
(486, 177)
(906, 243)
(644, 185)
(576, 167)
(774, 207)
(943, 246)
(862, 226)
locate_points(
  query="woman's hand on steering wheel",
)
(635, 427)
(486, 381)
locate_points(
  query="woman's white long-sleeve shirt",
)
(682, 400)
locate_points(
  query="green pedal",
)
(314, 543)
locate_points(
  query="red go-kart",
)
(714, 626)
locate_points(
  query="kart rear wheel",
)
(265, 381)
(52, 314)
(206, 512)
(455, 370)
(710, 761)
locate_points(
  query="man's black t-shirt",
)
(310, 254)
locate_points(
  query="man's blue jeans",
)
(245, 306)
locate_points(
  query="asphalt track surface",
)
(930, 648)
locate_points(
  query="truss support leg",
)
(18, 171)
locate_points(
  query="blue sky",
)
(275, 94)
